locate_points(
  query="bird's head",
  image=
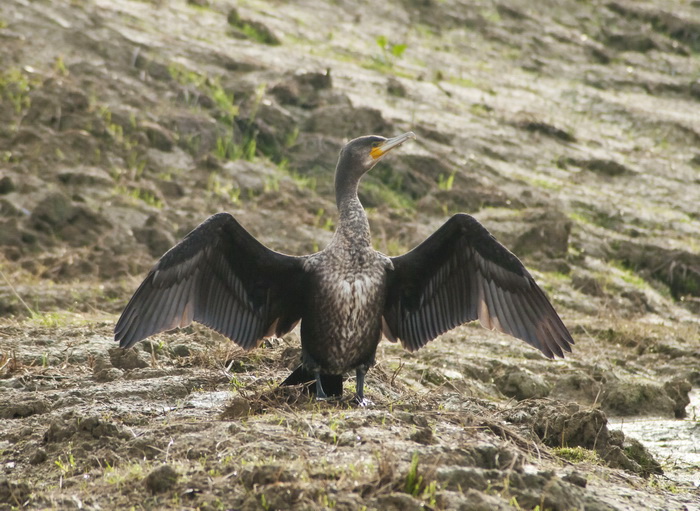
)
(361, 154)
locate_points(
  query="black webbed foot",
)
(331, 384)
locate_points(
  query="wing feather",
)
(222, 277)
(459, 274)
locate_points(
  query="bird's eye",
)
(375, 144)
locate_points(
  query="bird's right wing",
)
(221, 276)
(461, 273)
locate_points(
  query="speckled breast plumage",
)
(348, 299)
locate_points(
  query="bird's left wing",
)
(461, 273)
(221, 276)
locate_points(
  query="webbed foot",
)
(363, 402)
(331, 384)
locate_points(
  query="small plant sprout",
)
(390, 50)
(446, 183)
(414, 481)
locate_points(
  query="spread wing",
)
(459, 274)
(221, 276)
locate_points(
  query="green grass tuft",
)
(577, 454)
(15, 87)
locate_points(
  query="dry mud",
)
(570, 129)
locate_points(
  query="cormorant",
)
(348, 294)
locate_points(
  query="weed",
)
(49, 319)
(430, 494)
(291, 137)
(490, 15)
(224, 102)
(15, 87)
(578, 217)
(446, 183)
(326, 501)
(544, 183)
(480, 109)
(249, 148)
(577, 454)
(145, 196)
(227, 111)
(668, 486)
(627, 274)
(225, 190)
(302, 181)
(249, 136)
(66, 467)
(114, 130)
(136, 162)
(252, 29)
(386, 175)
(259, 33)
(333, 426)
(414, 480)
(199, 6)
(272, 184)
(326, 224)
(59, 66)
(235, 384)
(226, 149)
(463, 82)
(390, 50)
(393, 247)
(123, 475)
(557, 276)
(379, 193)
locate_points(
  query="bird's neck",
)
(353, 225)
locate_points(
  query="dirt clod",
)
(237, 407)
(7, 185)
(161, 479)
(633, 398)
(576, 478)
(461, 478)
(266, 474)
(564, 425)
(127, 359)
(635, 451)
(15, 410)
(678, 390)
(39, 456)
(399, 502)
(522, 384)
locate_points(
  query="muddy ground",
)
(570, 129)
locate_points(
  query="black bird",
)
(346, 295)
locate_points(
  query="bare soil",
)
(570, 129)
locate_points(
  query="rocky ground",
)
(570, 129)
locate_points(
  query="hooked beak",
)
(389, 144)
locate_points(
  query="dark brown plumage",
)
(346, 295)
